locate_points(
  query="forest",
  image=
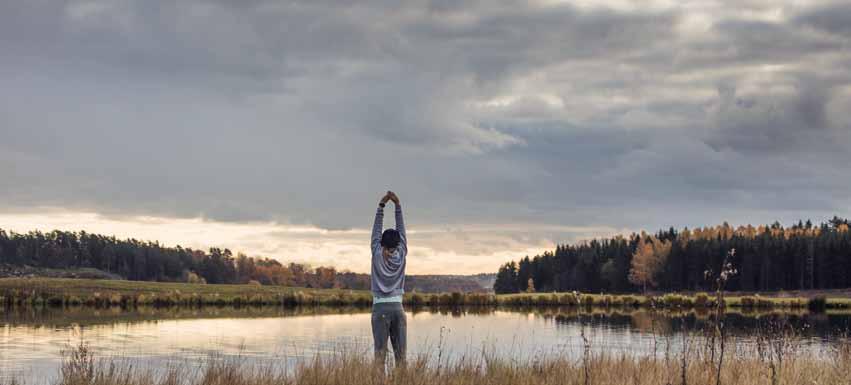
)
(150, 261)
(765, 258)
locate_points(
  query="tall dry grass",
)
(775, 361)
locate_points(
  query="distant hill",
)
(429, 283)
(485, 280)
(479, 283)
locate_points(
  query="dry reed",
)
(694, 367)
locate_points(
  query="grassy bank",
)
(666, 301)
(107, 293)
(673, 301)
(696, 366)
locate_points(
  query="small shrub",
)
(629, 300)
(552, 299)
(445, 299)
(416, 300)
(54, 300)
(673, 301)
(258, 300)
(478, 299)
(817, 304)
(763, 302)
(289, 299)
(192, 277)
(797, 303)
(747, 301)
(568, 299)
(72, 300)
(702, 300)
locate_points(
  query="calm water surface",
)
(32, 340)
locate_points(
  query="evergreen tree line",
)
(150, 261)
(767, 258)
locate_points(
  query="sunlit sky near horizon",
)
(344, 249)
(274, 127)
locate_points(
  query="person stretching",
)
(387, 282)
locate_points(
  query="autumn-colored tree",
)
(274, 274)
(530, 286)
(324, 277)
(245, 268)
(299, 273)
(648, 260)
(191, 277)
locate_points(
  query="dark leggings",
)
(388, 320)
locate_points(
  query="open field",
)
(104, 293)
(697, 366)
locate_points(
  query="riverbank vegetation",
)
(120, 293)
(768, 258)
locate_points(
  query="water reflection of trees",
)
(455, 311)
(742, 324)
(667, 322)
(82, 315)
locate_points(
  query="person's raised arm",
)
(379, 222)
(400, 222)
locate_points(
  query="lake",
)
(31, 340)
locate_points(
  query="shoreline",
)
(65, 292)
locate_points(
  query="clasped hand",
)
(390, 196)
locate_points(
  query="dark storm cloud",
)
(494, 45)
(491, 112)
(761, 41)
(788, 121)
(830, 18)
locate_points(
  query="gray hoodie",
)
(388, 276)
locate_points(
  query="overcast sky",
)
(274, 127)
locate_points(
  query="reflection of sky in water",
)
(34, 351)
